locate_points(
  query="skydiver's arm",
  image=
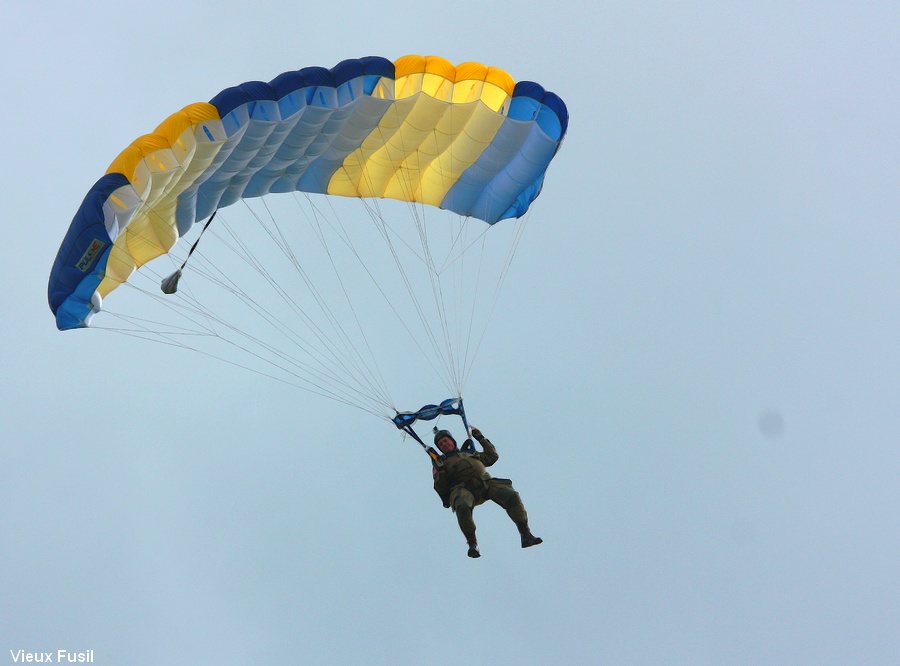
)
(489, 456)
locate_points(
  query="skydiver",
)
(462, 482)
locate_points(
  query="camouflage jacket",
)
(466, 470)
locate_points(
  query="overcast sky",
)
(692, 375)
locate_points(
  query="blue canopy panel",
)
(81, 261)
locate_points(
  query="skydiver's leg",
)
(463, 502)
(502, 492)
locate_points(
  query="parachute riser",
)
(436, 459)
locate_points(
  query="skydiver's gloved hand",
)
(476, 433)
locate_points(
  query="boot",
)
(473, 547)
(528, 539)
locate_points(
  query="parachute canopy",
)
(466, 138)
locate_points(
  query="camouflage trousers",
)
(463, 501)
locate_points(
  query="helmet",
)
(440, 434)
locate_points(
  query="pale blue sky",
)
(715, 249)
